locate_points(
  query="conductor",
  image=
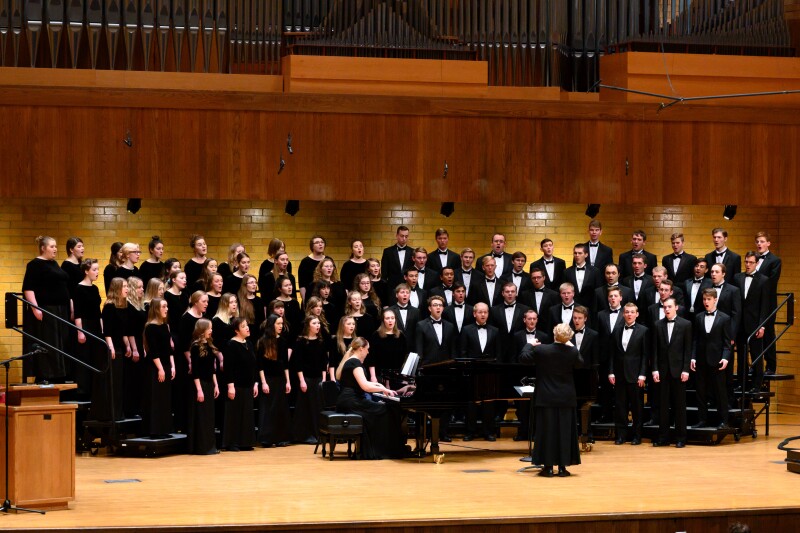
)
(556, 438)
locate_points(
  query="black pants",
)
(673, 394)
(629, 398)
(711, 379)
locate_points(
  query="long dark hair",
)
(268, 343)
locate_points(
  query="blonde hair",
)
(126, 250)
(340, 333)
(318, 270)
(562, 333)
(357, 344)
(152, 289)
(114, 294)
(372, 295)
(134, 299)
(223, 311)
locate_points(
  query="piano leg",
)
(435, 434)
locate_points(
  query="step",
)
(778, 377)
(152, 447)
(793, 467)
(793, 456)
(709, 434)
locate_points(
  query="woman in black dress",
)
(356, 264)
(322, 290)
(107, 398)
(153, 289)
(383, 436)
(251, 306)
(369, 298)
(209, 269)
(134, 374)
(380, 286)
(340, 343)
(275, 246)
(229, 267)
(160, 371)
(365, 324)
(309, 362)
(86, 304)
(242, 387)
(114, 261)
(171, 266)
(223, 332)
(267, 284)
(182, 386)
(274, 422)
(153, 267)
(326, 271)
(194, 266)
(129, 255)
(309, 264)
(202, 440)
(314, 307)
(178, 300)
(556, 438)
(72, 264)
(233, 283)
(388, 347)
(214, 292)
(46, 285)
(291, 308)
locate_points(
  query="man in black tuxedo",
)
(480, 340)
(626, 372)
(486, 288)
(656, 311)
(446, 285)
(518, 276)
(583, 277)
(651, 296)
(540, 299)
(611, 273)
(711, 356)
(729, 301)
(608, 321)
(552, 266)
(638, 241)
(672, 357)
(600, 255)
(501, 257)
(427, 276)
(418, 297)
(587, 341)
(407, 314)
(534, 336)
(693, 289)
(640, 283)
(459, 313)
(679, 264)
(396, 258)
(562, 313)
(442, 256)
(508, 318)
(465, 274)
(769, 265)
(754, 290)
(724, 255)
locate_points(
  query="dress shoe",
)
(723, 426)
(491, 438)
(232, 448)
(636, 441)
(546, 472)
(680, 444)
(658, 443)
(769, 372)
(619, 441)
(563, 472)
(519, 437)
(445, 438)
(699, 425)
(468, 437)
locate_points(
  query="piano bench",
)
(340, 427)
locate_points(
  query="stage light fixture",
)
(292, 207)
(134, 204)
(592, 210)
(448, 208)
(729, 212)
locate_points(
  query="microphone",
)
(38, 349)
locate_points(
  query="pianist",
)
(383, 437)
(556, 437)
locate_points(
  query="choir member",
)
(694, 288)
(326, 271)
(171, 265)
(365, 324)
(458, 313)
(233, 283)
(160, 371)
(435, 339)
(314, 307)
(133, 374)
(640, 283)
(47, 286)
(345, 333)
(200, 435)
(540, 299)
(223, 332)
(383, 437)
(584, 278)
(242, 382)
(769, 265)
(153, 267)
(178, 300)
(231, 265)
(417, 296)
(322, 290)
(724, 255)
(107, 398)
(608, 321)
(552, 266)
(556, 435)
(274, 422)
(562, 313)
(443, 257)
(86, 304)
(194, 266)
(153, 289)
(379, 284)
(113, 263)
(210, 267)
(679, 264)
(481, 341)
(181, 388)
(309, 361)
(427, 277)
(363, 286)
(611, 273)
(356, 264)
(275, 246)
(586, 340)
(486, 288)
(447, 279)
(292, 312)
(266, 284)
(508, 317)
(389, 346)
(214, 292)
(498, 253)
(600, 255)
(638, 241)
(627, 369)
(755, 305)
(464, 273)
(518, 276)
(397, 258)
(407, 315)
(129, 255)
(251, 306)
(72, 264)
(306, 273)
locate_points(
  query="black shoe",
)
(491, 438)
(519, 437)
(232, 448)
(723, 426)
(445, 438)
(563, 472)
(658, 443)
(650, 423)
(636, 441)
(546, 472)
(468, 437)
(619, 441)
(769, 372)
(699, 425)
(680, 444)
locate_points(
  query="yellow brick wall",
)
(101, 221)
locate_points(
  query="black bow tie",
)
(539, 290)
(460, 306)
(638, 278)
(420, 271)
(401, 248)
(578, 269)
(446, 288)
(613, 311)
(630, 327)
(697, 280)
(550, 262)
(568, 307)
(710, 313)
(595, 245)
(517, 275)
(640, 252)
(511, 306)
(579, 332)
(490, 280)
(718, 286)
(403, 307)
(677, 256)
(442, 252)
(749, 275)
(434, 322)
(720, 254)
(480, 326)
(670, 321)
(467, 271)
(530, 332)
(497, 256)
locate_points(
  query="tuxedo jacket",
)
(408, 327)
(605, 332)
(591, 280)
(674, 356)
(431, 278)
(497, 318)
(771, 268)
(525, 283)
(732, 262)
(555, 366)
(559, 266)
(601, 297)
(391, 269)
(697, 305)
(651, 296)
(629, 364)
(438, 290)
(422, 297)
(427, 343)
(605, 256)
(520, 340)
(756, 307)
(626, 263)
(685, 267)
(470, 344)
(730, 303)
(475, 274)
(712, 347)
(449, 314)
(653, 315)
(549, 299)
(506, 264)
(641, 302)
(555, 316)
(453, 260)
(479, 292)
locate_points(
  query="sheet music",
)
(410, 366)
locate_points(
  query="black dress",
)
(201, 437)
(311, 358)
(213, 306)
(293, 317)
(86, 306)
(176, 306)
(381, 288)
(383, 436)
(51, 287)
(157, 405)
(274, 422)
(365, 325)
(349, 272)
(334, 354)
(386, 353)
(266, 268)
(107, 388)
(125, 273)
(224, 270)
(193, 271)
(260, 315)
(266, 286)
(240, 370)
(133, 373)
(150, 270)
(305, 273)
(183, 382)
(73, 271)
(221, 333)
(232, 284)
(108, 275)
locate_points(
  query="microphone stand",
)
(7, 506)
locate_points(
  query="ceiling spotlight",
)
(592, 210)
(282, 164)
(729, 212)
(292, 207)
(447, 207)
(289, 144)
(134, 204)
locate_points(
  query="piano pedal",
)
(438, 458)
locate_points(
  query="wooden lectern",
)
(41, 446)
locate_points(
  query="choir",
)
(198, 348)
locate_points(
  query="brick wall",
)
(101, 221)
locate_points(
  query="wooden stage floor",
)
(617, 488)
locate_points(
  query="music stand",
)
(527, 391)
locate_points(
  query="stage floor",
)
(478, 482)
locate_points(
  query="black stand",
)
(7, 505)
(529, 457)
